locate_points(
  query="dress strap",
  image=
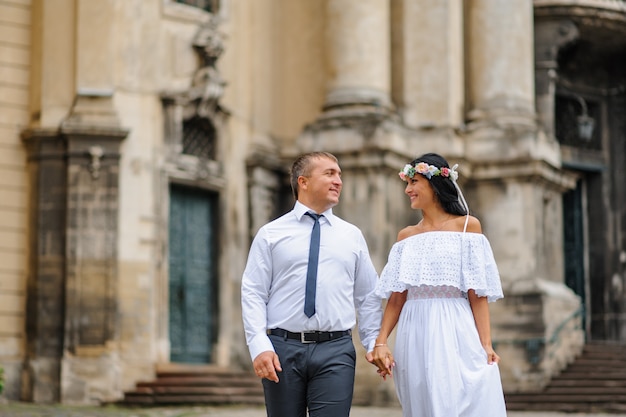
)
(466, 222)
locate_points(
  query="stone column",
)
(95, 58)
(90, 365)
(357, 123)
(359, 50)
(500, 61)
(428, 67)
(550, 37)
(516, 190)
(93, 135)
(72, 73)
(74, 151)
(72, 283)
(359, 126)
(45, 307)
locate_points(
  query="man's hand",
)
(369, 356)
(383, 359)
(266, 364)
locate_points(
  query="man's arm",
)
(368, 305)
(255, 287)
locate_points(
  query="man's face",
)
(321, 188)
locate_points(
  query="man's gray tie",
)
(311, 272)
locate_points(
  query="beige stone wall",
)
(269, 99)
(158, 47)
(276, 85)
(15, 42)
(285, 63)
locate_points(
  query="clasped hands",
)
(382, 357)
(267, 365)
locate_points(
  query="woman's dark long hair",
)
(443, 187)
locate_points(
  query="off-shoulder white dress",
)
(441, 366)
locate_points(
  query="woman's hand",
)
(383, 359)
(492, 356)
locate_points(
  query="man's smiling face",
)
(321, 187)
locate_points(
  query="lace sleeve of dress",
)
(389, 278)
(479, 270)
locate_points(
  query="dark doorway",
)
(192, 274)
(574, 244)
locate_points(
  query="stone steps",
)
(595, 382)
(188, 384)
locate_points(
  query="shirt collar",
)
(299, 209)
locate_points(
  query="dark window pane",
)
(206, 5)
(199, 138)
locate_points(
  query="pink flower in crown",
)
(402, 176)
(422, 168)
(445, 172)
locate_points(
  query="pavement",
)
(17, 409)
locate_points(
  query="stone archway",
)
(580, 66)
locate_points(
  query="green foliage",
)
(1, 379)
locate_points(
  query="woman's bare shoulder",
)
(473, 224)
(407, 232)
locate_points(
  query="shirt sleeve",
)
(368, 304)
(255, 289)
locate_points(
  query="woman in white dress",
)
(438, 280)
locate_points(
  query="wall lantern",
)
(585, 122)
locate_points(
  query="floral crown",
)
(428, 171)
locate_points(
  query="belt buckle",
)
(302, 336)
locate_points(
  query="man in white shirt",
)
(306, 358)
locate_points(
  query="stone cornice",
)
(77, 142)
(532, 171)
(612, 5)
(111, 132)
(607, 13)
(191, 170)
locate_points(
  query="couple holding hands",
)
(309, 275)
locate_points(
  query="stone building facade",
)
(143, 143)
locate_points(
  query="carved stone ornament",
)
(207, 86)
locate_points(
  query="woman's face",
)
(420, 192)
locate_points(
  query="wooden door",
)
(574, 243)
(192, 274)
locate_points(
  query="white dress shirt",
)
(273, 283)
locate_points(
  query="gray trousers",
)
(316, 376)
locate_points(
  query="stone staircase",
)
(189, 384)
(595, 382)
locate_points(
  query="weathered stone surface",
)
(101, 96)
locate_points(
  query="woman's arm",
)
(382, 356)
(480, 309)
